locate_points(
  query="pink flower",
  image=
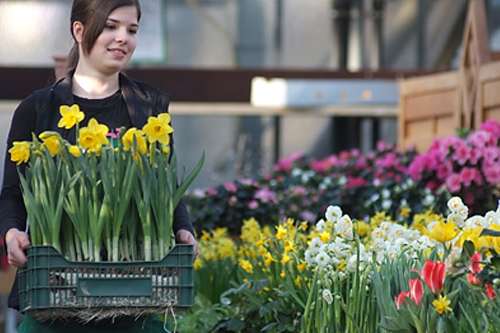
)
(492, 173)
(433, 274)
(416, 290)
(355, 182)
(401, 298)
(285, 164)
(453, 183)
(232, 201)
(493, 127)
(231, 187)
(479, 139)
(462, 154)
(467, 176)
(265, 195)
(253, 204)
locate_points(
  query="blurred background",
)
(209, 51)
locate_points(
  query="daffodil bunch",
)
(102, 199)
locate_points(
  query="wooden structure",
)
(434, 106)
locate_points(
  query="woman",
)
(105, 39)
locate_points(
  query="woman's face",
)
(115, 45)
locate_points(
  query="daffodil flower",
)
(159, 129)
(93, 137)
(71, 115)
(20, 152)
(442, 304)
(140, 138)
(51, 140)
(442, 231)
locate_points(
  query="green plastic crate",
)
(51, 282)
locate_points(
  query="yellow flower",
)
(71, 115)
(442, 231)
(75, 151)
(268, 259)
(298, 281)
(442, 304)
(93, 136)
(361, 228)
(303, 225)
(283, 274)
(325, 236)
(140, 138)
(51, 140)
(290, 246)
(302, 266)
(286, 258)
(20, 152)
(246, 265)
(281, 231)
(159, 129)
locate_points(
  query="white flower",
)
(333, 213)
(375, 197)
(342, 180)
(310, 256)
(316, 244)
(386, 204)
(378, 233)
(386, 193)
(321, 226)
(457, 220)
(428, 200)
(455, 203)
(327, 296)
(396, 231)
(475, 221)
(322, 259)
(491, 217)
(378, 245)
(352, 263)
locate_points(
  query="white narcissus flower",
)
(455, 204)
(322, 259)
(456, 219)
(378, 233)
(475, 221)
(327, 296)
(491, 217)
(333, 213)
(310, 256)
(321, 226)
(378, 245)
(316, 244)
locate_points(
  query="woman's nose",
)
(121, 35)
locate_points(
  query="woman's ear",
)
(78, 30)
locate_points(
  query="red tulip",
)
(433, 274)
(416, 290)
(475, 269)
(489, 291)
(401, 297)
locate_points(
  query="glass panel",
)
(33, 31)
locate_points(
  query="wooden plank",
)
(429, 83)
(493, 113)
(491, 93)
(489, 71)
(445, 126)
(431, 105)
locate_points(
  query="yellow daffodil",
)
(140, 138)
(442, 231)
(20, 152)
(246, 265)
(268, 259)
(281, 231)
(93, 137)
(405, 211)
(283, 274)
(159, 129)
(442, 304)
(75, 151)
(51, 141)
(71, 115)
(302, 266)
(303, 225)
(286, 258)
(298, 281)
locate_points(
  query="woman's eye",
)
(133, 31)
(110, 26)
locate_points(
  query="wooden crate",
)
(489, 93)
(428, 109)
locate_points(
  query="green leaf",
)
(235, 324)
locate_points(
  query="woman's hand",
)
(185, 237)
(17, 241)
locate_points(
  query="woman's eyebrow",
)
(118, 21)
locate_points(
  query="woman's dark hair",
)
(93, 15)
